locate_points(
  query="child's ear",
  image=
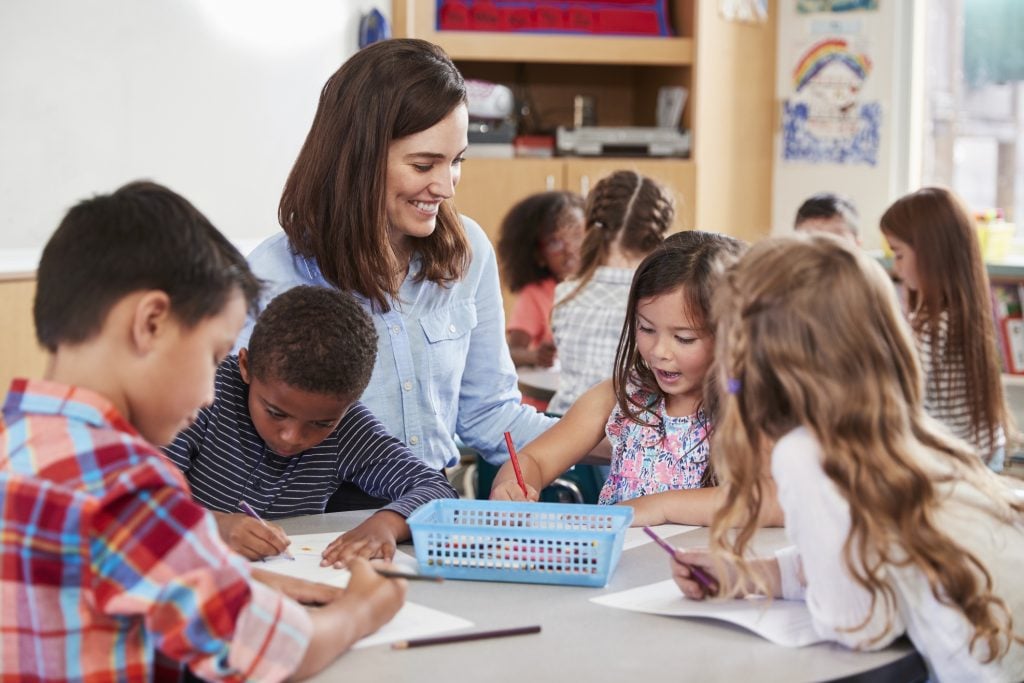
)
(243, 365)
(151, 319)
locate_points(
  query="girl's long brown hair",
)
(952, 279)
(625, 208)
(810, 334)
(333, 207)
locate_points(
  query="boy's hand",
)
(375, 538)
(249, 537)
(372, 599)
(300, 590)
(509, 490)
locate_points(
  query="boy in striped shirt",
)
(105, 559)
(286, 430)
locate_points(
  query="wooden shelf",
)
(412, 18)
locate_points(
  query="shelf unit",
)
(727, 68)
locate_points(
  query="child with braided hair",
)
(626, 216)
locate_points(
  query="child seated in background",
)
(937, 257)
(538, 247)
(654, 410)
(286, 429)
(106, 559)
(897, 526)
(831, 213)
(627, 215)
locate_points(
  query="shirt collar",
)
(43, 397)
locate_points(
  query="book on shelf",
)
(1008, 318)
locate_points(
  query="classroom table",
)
(538, 383)
(584, 642)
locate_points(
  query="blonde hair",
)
(810, 334)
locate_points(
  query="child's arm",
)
(565, 444)
(698, 506)
(383, 467)
(766, 579)
(519, 346)
(369, 602)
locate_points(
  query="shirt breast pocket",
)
(447, 332)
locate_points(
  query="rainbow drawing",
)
(823, 53)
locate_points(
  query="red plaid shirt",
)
(105, 559)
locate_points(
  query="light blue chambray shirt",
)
(443, 365)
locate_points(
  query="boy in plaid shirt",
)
(105, 559)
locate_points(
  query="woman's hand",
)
(510, 490)
(376, 538)
(250, 537)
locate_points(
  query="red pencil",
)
(515, 464)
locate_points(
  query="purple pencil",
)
(702, 577)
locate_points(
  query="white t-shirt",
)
(818, 523)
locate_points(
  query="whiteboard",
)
(212, 98)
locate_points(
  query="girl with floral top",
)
(653, 410)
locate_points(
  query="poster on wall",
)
(814, 6)
(826, 119)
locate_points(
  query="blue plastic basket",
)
(484, 540)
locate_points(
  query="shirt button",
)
(414, 440)
(395, 329)
(451, 328)
(407, 386)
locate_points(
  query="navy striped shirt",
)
(226, 461)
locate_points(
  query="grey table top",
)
(582, 641)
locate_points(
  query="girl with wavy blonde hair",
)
(897, 526)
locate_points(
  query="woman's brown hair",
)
(333, 207)
(809, 333)
(625, 208)
(952, 280)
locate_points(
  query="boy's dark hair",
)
(828, 205)
(524, 225)
(314, 339)
(143, 236)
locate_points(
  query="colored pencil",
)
(392, 574)
(699, 575)
(515, 463)
(247, 509)
(463, 637)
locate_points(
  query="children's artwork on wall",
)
(750, 11)
(825, 120)
(813, 6)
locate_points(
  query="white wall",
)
(210, 97)
(894, 81)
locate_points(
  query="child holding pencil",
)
(937, 257)
(654, 410)
(286, 430)
(897, 526)
(106, 559)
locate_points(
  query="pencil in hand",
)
(515, 463)
(463, 637)
(247, 509)
(707, 582)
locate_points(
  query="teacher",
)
(368, 208)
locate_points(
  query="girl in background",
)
(654, 410)
(538, 247)
(897, 526)
(627, 215)
(938, 259)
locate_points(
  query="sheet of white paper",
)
(412, 621)
(635, 536)
(783, 622)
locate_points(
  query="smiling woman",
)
(368, 208)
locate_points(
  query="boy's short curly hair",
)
(314, 339)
